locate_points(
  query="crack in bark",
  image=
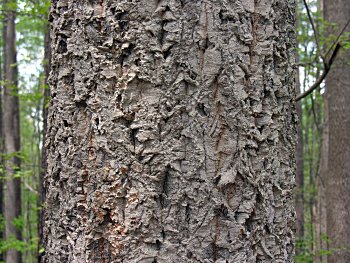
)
(255, 18)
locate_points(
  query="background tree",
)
(12, 196)
(42, 190)
(338, 179)
(2, 174)
(311, 120)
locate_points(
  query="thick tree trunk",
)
(171, 132)
(338, 179)
(12, 195)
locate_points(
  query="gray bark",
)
(321, 206)
(321, 243)
(171, 132)
(338, 179)
(12, 193)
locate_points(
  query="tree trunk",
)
(321, 206)
(171, 132)
(338, 178)
(2, 150)
(42, 190)
(299, 177)
(12, 194)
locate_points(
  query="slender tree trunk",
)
(2, 174)
(321, 204)
(299, 178)
(299, 156)
(12, 196)
(338, 176)
(42, 190)
(171, 132)
(299, 204)
(321, 208)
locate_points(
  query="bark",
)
(321, 207)
(12, 194)
(171, 132)
(2, 175)
(42, 190)
(321, 243)
(338, 178)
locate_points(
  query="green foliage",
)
(41, 250)
(304, 255)
(18, 223)
(19, 245)
(2, 223)
(345, 40)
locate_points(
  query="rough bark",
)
(171, 132)
(12, 193)
(338, 179)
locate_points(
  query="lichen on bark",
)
(171, 131)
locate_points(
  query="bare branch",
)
(304, 64)
(327, 65)
(314, 30)
(30, 188)
(338, 37)
(327, 68)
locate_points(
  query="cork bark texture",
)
(171, 131)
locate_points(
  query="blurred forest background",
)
(24, 60)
